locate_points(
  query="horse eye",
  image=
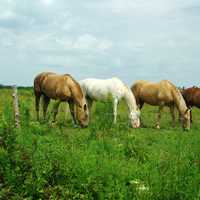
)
(85, 107)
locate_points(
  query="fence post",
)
(16, 107)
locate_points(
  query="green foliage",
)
(103, 161)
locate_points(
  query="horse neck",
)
(130, 100)
(76, 91)
(179, 101)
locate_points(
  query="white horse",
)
(101, 90)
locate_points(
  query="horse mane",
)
(75, 88)
(68, 75)
(179, 100)
(130, 99)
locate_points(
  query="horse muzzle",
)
(83, 125)
(136, 124)
(186, 129)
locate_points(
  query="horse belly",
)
(151, 101)
(49, 91)
(149, 97)
(97, 94)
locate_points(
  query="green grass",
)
(104, 161)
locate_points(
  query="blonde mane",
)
(130, 100)
(179, 100)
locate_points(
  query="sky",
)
(128, 39)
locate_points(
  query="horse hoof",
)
(53, 123)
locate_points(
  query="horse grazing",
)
(62, 88)
(192, 97)
(162, 94)
(101, 90)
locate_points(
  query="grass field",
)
(104, 161)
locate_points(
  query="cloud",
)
(136, 7)
(89, 42)
(47, 2)
(153, 7)
(130, 39)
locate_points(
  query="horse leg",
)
(37, 105)
(172, 110)
(180, 117)
(71, 108)
(90, 102)
(159, 116)
(115, 110)
(191, 115)
(46, 101)
(55, 109)
(140, 106)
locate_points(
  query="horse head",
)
(135, 118)
(82, 113)
(186, 119)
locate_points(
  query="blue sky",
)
(130, 39)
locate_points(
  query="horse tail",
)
(39, 80)
(37, 83)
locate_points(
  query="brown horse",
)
(62, 88)
(162, 94)
(192, 97)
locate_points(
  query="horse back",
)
(144, 92)
(52, 85)
(153, 93)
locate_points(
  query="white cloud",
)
(139, 7)
(47, 2)
(7, 14)
(89, 42)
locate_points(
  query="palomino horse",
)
(162, 94)
(192, 97)
(62, 88)
(101, 90)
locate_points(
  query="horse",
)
(62, 88)
(192, 98)
(103, 89)
(162, 94)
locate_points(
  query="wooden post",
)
(16, 107)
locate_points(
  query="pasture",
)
(103, 161)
